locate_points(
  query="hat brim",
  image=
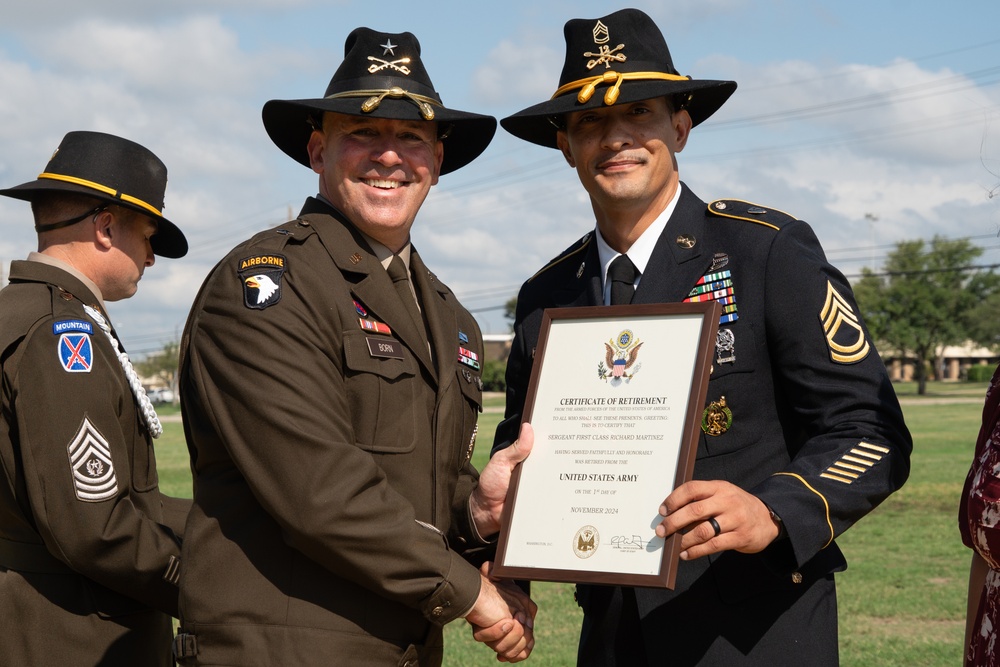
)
(287, 123)
(169, 240)
(535, 124)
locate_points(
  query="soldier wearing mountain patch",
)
(331, 386)
(89, 547)
(802, 434)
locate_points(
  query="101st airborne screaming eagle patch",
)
(261, 278)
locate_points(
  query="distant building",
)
(497, 346)
(952, 362)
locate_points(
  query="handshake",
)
(503, 617)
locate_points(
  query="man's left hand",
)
(742, 521)
(488, 498)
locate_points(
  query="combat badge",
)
(76, 352)
(620, 357)
(90, 464)
(842, 328)
(717, 418)
(261, 277)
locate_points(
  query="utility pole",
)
(872, 219)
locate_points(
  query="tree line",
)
(929, 295)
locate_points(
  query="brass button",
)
(796, 577)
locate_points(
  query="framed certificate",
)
(615, 400)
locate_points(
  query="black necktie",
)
(401, 281)
(622, 274)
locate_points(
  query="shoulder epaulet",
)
(293, 229)
(738, 209)
(566, 254)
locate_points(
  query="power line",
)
(922, 272)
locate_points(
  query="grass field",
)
(902, 600)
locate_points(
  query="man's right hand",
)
(503, 618)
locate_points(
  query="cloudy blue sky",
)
(876, 121)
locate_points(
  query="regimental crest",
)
(620, 356)
(586, 541)
(717, 417)
(261, 277)
(604, 55)
(91, 466)
(76, 352)
(844, 335)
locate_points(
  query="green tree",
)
(493, 375)
(162, 365)
(926, 299)
(510, 310)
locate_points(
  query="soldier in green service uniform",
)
(89, 547)
(331, 385)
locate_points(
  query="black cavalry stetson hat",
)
(381, 76)
(114, 170)
(617, 59)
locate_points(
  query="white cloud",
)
(526, 71)
(47, 13)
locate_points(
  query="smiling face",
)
(625, 158)
(377, 171)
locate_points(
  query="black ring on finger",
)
(715, 526)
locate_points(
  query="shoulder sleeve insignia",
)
(90, 464)
(844, 335)
(261, 277)
(76, 352)
(743, 210)
(64, 326)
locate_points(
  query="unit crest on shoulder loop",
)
(738, 209)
